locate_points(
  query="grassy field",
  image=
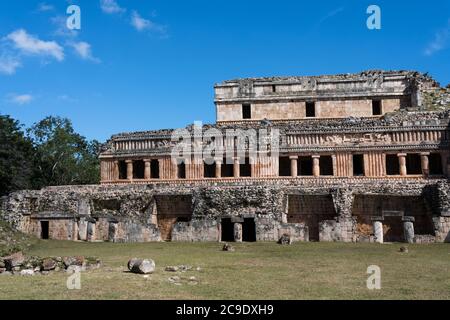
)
(253, 271)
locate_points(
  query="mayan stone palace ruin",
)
(351, 157)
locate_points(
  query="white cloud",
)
(29, 44)
(440, 41)
(84, 50)
(43, 7)
(20, 99)
(141, 24)
(111, 7)
(138, 22)
(9, 64)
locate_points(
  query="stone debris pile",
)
(19, 264)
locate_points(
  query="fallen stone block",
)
(13, 261)
(227, 247)
(141, 266)
(285, 239)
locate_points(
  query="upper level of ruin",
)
(365, 94)
(372, 124)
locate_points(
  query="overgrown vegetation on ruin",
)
(48, 153)
(12, 241)
(254, 271)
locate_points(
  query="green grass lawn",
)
(254, 271)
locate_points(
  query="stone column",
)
(147, 170)
(294, 160)
(408, 228)
(112, 231)
(129, 169)
(75, 230)
(378, 229)
(90, 236)
(218, 168)
(116, 170)
(236, 167)
(238, 232)
(316, 165)
(82, 229)
(402, 163)
(425, 163)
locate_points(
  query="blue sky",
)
(142, 65)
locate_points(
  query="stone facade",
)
(362, 157)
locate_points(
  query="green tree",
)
(16, 157)
(64, 157)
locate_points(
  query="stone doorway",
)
(171, 209)
(227, 227)
(45, 230)
(393, 229)
(249, 230)
(310, 210)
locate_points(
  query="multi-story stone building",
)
(359, 157)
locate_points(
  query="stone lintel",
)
(53, 215)
(392, 213)
(377, 218)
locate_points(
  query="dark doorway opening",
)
(435, 163)
(245, 169)
(209, 170)
(284, 166)
(122, 170)
(310, 109)
(413, 163)
(393, 229)
(358, 165)
(181, 170)
(227, 230)
(227, 168)
(249, 230)
(246, 111)
(326, 166)
(305, 166)
(376, 107)
(138, 169)
(392, 165)
(44, 230)
(154, 168)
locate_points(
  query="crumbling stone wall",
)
(129, 213)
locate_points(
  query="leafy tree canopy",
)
(50, 153)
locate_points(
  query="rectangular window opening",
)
(138, 169)
(376, 107)
(154, 168)
(310, 109)
(392, 165)
(435, 164)
(246, 111)
(305, 166)
(181, 170)
(358, 165)
(326, 165)
(284, 164)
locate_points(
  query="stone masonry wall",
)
(129, 213)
